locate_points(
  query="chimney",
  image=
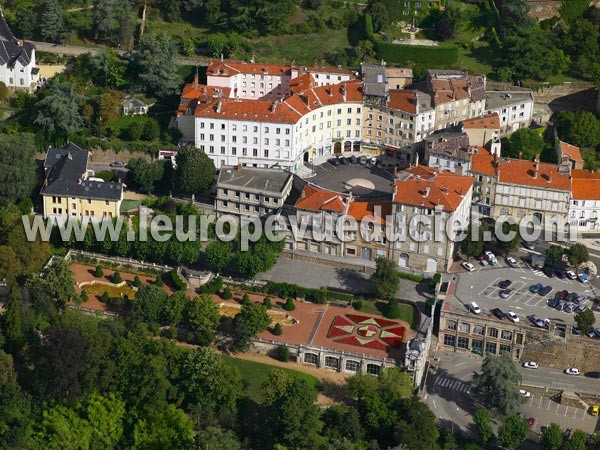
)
(219, 105)
(315, 62)
(69, 156)
(196, 78)
(426, 192)
(417, 160)
(322, 62)
(520, 155)
(550, 178)
(303, 195)
(222, 57)
(537, 162)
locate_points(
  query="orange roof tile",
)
(191, 91)
(585, 185)
(482, 162)
(230, 68)
(427, 187)
(571, 150)
(314, 198)
(523, 172)
(403, 100)
(489, 122)
(360, 209)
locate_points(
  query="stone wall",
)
(580, 352)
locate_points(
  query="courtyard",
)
(362, 181)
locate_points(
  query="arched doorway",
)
(347, 146)
(403, 261)
(306, 156)
(431, 265)
(337, 148)
(356, 147)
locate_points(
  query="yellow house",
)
(68, 191)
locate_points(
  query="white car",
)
(512, 316)
(474, 307)
(524, 393)
(571, 275)
(512, 262)
(572, 371)
(468, 266)
(530, 365)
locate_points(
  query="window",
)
(451, 325)
(506, 334)
(504, 348)
(464, 327)
(352, 366)
(490, 347)
(266, 153)
(106, 202)
(234, 151)
(493, 332)
(478, 329)
(373, 369)
(212, 126)
(463, 342)
(449, 340)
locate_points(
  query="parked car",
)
(560, 274)
(498, 313)
(547, 323)
(545, 291)
(468, 266)
(553, 302)
(562, 294)
(117, 164)
(530, 365)
(580, 299)
(590, 334)
(506, 293)
(548, 272)
(531, 422)
(582, 277)
(580, 309)
(504, 284)
(593, 375)
(512, 316)
(561, 305)
(490, 257)
(536, 288)
(528, 245)
(536, 321)
(474, 307)
(595, 410)
(525, 393)
(334, 161)
(572, 371)
(343, 160)
(597, 332)
(569, 308)
(362, 160)
(512, 262)
(352, 159)
(571, 275)
(571, 297)
(576, 330)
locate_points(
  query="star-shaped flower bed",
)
(365, 331)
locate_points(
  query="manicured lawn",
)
(255, 374)
(407, 312)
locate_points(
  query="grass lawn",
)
(303, 48)
(255, 374)
(407, 312)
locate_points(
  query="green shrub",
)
(245, 299)
(99, 273)
(267, 302)
(137, 282)
(392, 310)
(105, 298)
(84, 296)
(159, 281)
(289, 305)
(213, 286)
(178, 283)
(116, 278)
(277, 330)
(369, 31)
(334, 295)
(282, 353)
(411, 276)
(227, 295)
(418, 54)
(358, 305)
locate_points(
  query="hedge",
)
(411, 276)
(369, 32)
(319, 296)
(419, 54)
(176, 280)
(212, 287)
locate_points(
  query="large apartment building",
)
(514, 108)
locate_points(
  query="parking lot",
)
(481, 286)
(546, 411)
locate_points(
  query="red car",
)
(562, 294)
(531, 422)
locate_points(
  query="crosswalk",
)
(453, 384)
(539, 273)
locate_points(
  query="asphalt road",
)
(448, 384)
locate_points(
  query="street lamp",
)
(454, 419)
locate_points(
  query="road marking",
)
(540, 403)
(557, 406)
(459, 364)
(548, 408)
(566, 410)
(434, 405)
(575, 415)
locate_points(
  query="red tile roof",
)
(289, 110)
(571, 150)
(523, 172)
(314, 198)
(489, 122)
(585, 185)
(403, 100)
(193, 91)
(360, 209)
(427, 187)
(230, 68)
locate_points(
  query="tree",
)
(472, 246)
(151, 130)
(527, 141)
(483, 422)
(251, 320)
(444, 29)
(166, 428)
(277, 330)
(202, 315)
(108, 106)
(581, 128)
(58, 112)
(578, 254)
(59, 282)
(195, 170)
(554, 254)
(16, 417)
(114, 22)
(364, 51)
(52, 26)
(98, 273)
(208, 381)
(144, 174)
(585, 320)
(174, 308)
(17, 166)
(137, 282)
(12, 319)
(116, 278)
(392, 309)
(134, 131)
(511, 239)
(496, 386)
(552, 437)
(227, 294)
(158, 69)
(3, 91)
(105, 416)
(267, 302)
(216, 438)
(558, 62)
(150, 302)
(577, 441)
(62, 427)
(218, 255)
(379, 16)
(10, 265)
(7, 369)
(109, 68)
(289, 304)
(386, 278)
(512, 432)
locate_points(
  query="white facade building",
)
(17, 60)
(515, 109)
(584, 207)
